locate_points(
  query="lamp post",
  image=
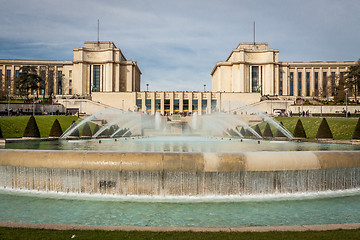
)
(9, 88)
(147, 87)
(204, 87)
(346, 108)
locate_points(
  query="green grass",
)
(23, 233)
(341, 128)
(13, 127)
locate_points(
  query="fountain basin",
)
(179, 173)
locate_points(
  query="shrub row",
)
(32, 130)
(323, 132)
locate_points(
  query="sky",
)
(177, 43)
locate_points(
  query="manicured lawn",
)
(23, 233)
(13, 127)
(341, 128)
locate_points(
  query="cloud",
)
(177, 43)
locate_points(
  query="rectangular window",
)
(333, 84)
(291, 84)
(51, 82)
(70, 91)
(176, 105)
(139, 104)
(316, 83)
(203, 105)
(195, 105)
(70, 73)
(186, 105)
(8, 76)
(157, 105)
(96, 80)
(213, 105)
(281, 93)
(255, 79)
(16, 73)
(0, 78)
(308, 84)
(59, 82)
(299, 83)
(167, 106)
(324, 82)
(148, 105)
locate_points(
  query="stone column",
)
(312, 82)
(321, 90)
(296, 82)
(303, 82)
(285, 81)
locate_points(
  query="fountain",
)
(205, 159)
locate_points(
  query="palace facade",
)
(100, 73)
(253, 67)
(96, 67)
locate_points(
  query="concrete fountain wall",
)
(180, 174)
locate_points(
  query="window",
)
(255, 79)
(291, 84)
(167, 106)
(307, 83)
(157, 105)
(0, 77)
(213, 105)
(16, 73)
(176, 105)
(70, 82)
(96, 80)
(203, 105)
(148, 105)
(195, 105)
(59, 83)
(70, 91)
(316, 83)
(186, 105)
(299, 83)
(70, 73)
(139, 104)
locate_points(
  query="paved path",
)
(193, 229)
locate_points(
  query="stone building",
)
(100, 73)
(96, 67)
(254, 67)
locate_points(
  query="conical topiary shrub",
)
(242, 131)
(31, 129)
(248, 134)
(267, 131)
(257, 129)
(356, 133)
(75, 133)
(56, 130)
(111, 130)
(279, 134)
(86, 131)
(324, 130)
(97, 128)
(105, 133)
(299, 131)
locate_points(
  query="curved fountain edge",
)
(295, 228)
(178, 161)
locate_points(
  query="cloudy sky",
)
(177, 43)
